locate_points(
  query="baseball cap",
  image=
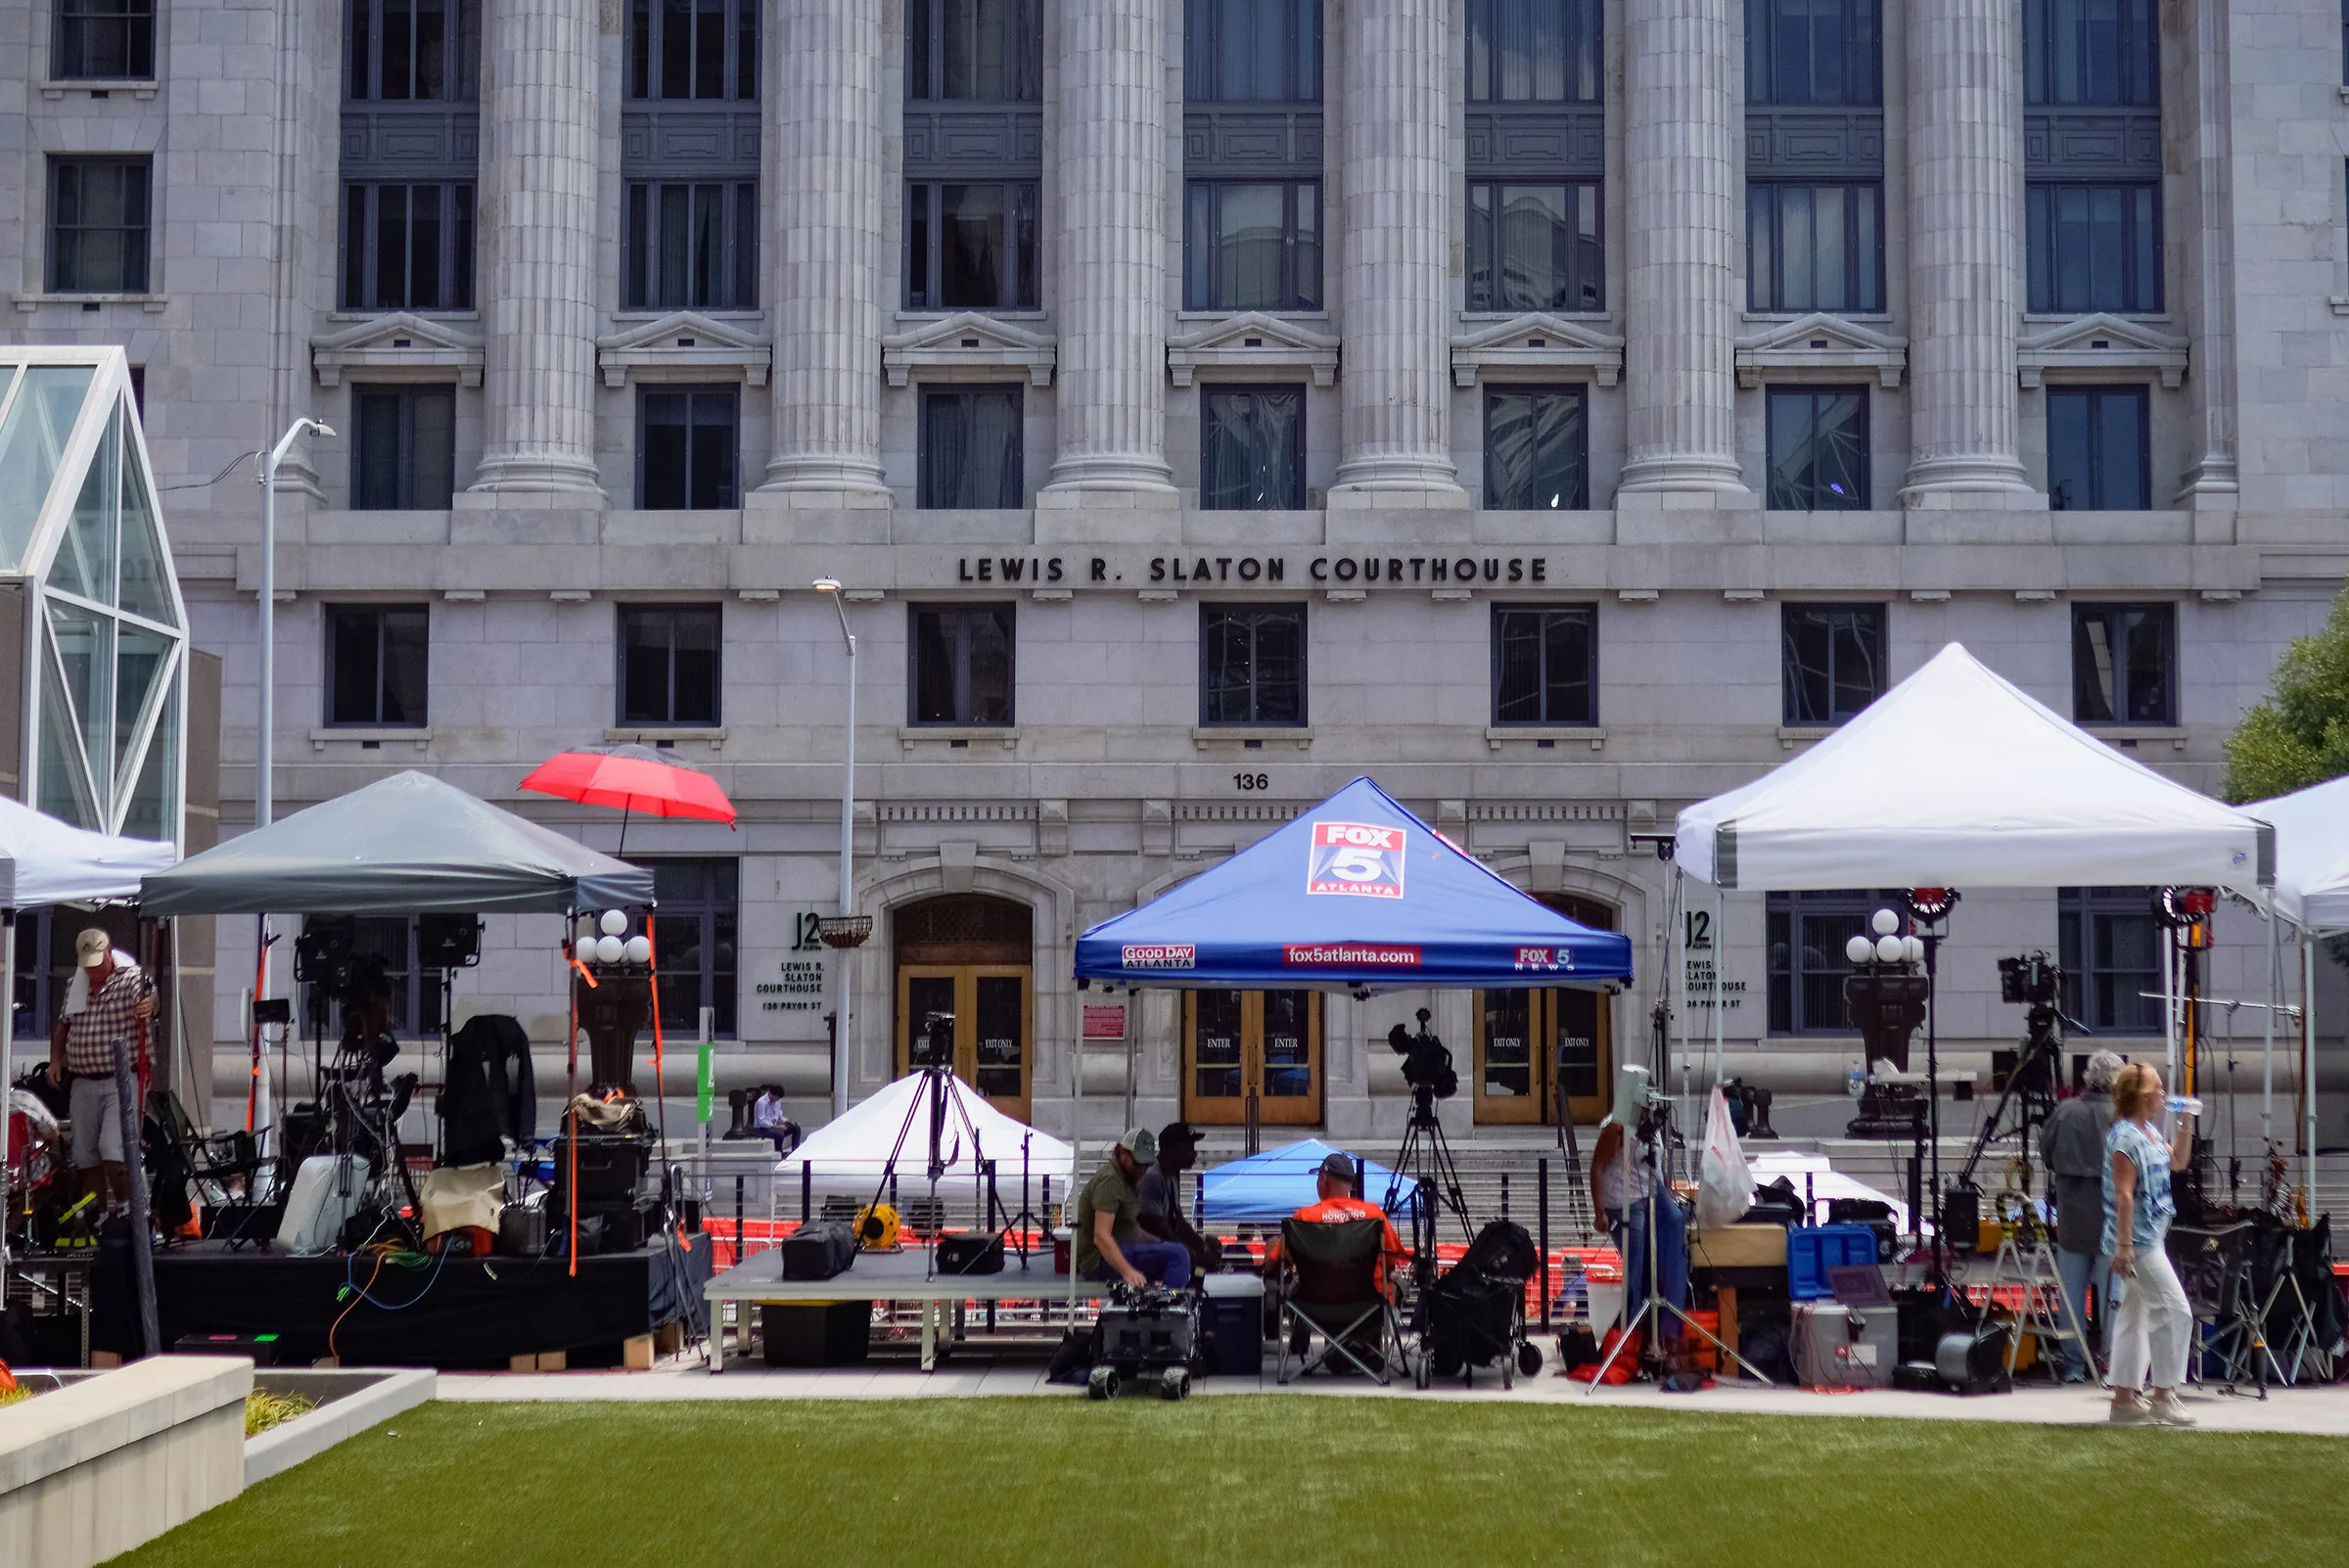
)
(1338, 1167)
(1178, 1132)
(92, 947)
(1141, 1142)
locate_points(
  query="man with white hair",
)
(2072, 1145)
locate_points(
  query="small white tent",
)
(849, 1154)
(1956, 778)
(2312, 854)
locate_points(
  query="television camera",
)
(1426, 1061)
(2032, 981)
(933, 1044)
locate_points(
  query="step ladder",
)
(2046, 1312)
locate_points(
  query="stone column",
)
(1685, 97)
(1397, 245)
(1965, 162)
(826, 281)
(540, 117)
(2212, 482)
(1113, 257)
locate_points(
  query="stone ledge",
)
(375, 1397)
(93, 1416)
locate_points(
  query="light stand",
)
(1650, 1320)
(1928, 908)
(935, 1096)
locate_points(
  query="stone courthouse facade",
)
(1559, 411)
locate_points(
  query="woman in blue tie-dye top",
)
(2153, 1327)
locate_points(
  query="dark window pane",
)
(971, 448)
(1814, 247)
(2090, 52)
(962, 665)
(1533, 51)
(98, 225)
(694, 943)
(1537, 450)
(2097, 448)
(357, 669)
(687, 448)
(985, 245)
(1832, 660)
(669, 665)
(376, 665)
(2092, 248)
(1544, 663)
(1813, 52)
(2124, 660)
(1263, 51)
(376, 459)
(1819, 451)
(1807, 933)
(1252, 666)
(1252, 448)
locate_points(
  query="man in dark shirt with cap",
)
(1160, 1195)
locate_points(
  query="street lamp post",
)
(846, 933)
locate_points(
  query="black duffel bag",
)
(975, 1253)
(820, 1250)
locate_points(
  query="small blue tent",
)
(1267, 1188)
(1356, 895)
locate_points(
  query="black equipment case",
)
(971, 1253)
(820, 1250)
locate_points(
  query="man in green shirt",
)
(1110, 1244)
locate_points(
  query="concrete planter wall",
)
(103, 1464)
(350, 1401)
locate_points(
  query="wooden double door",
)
(1261, 1042)
(1533, 1048)
(994, 1008)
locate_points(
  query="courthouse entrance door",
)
(1533, 1045)
(968, 957)
(1241, 1043)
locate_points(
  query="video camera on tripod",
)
(2036, 982)
(934, 1045)
(1426, 1061)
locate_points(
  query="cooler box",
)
(1844, 1347)
(1812, 1250)
(825, 1333)
(1233, 1315)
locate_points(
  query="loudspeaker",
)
(448, 941)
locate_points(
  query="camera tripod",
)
(1648, 1321)
(1426, 1160)
(935, 1098)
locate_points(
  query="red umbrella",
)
(633, 778)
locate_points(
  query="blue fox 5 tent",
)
(1267, 1188)
(1356, 895)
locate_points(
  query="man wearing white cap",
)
(108, 997)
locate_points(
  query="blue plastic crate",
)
(1812, 1250)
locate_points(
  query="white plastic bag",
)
(1725, 1187)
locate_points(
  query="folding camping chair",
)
(212, 1163)
(1328, 1284)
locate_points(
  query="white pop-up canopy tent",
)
(2312, 892)
(848, 1155)
(1958, 779)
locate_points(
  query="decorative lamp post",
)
(847, 931)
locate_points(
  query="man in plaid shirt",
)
(109, 998)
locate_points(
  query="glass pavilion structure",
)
(100, 689)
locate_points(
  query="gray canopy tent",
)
(405, 844)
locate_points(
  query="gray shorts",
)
(97, 1116)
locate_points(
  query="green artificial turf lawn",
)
(1221, 1481)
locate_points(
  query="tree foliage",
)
(2300, 735)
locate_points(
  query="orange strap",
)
(261, 979)
(570, 1114)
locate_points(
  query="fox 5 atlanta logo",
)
(1361, 859)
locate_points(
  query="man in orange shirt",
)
(1336, 1204)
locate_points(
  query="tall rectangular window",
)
(2097, 454)
(669, 664)
(693, 49)
(971, 246)
(984, 51)
(1807, 933)
(1252, 51)
(1252, 665)
(1252, 245)
(1817, 438)
(2092, 52)
(102, 40)
(412, 51)
(1831, 661)
(1533, 51)
(962, 665)
(2125, 663)
(696, 922)
(1545, 665)
(1814, 247)
(99, 224)
(2110, 950)
(1536, 247)
(2093, 247)
(403, 458)
(407, 246)
(971, 448)
(687, 448)
(377, 658)
(1814, 51)
(1251, 448)
(691, 246)
(1537, 448)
